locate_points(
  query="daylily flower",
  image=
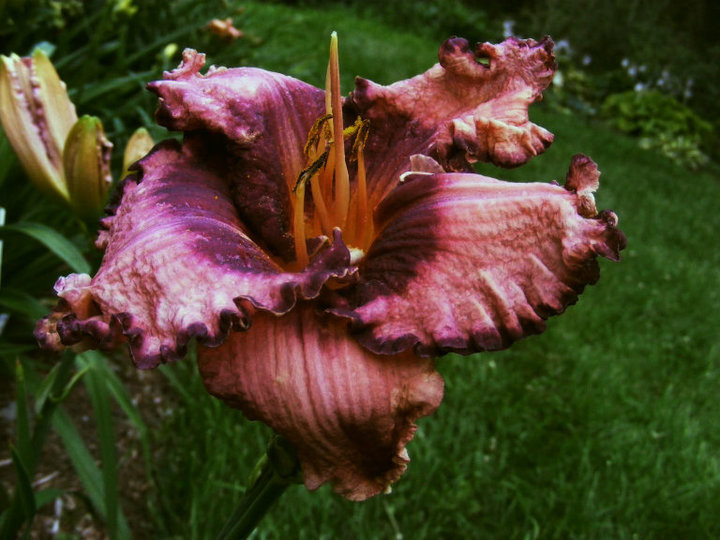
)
(354, 237)
(66, 157)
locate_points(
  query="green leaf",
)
(121, 396)
(115, 85)
(85, 467)
(23, 417)
(65, 391)
(176, 383)
(97, 390)
(82, 460)
(2, 222)
(42, 392)
(13, 349)
(21, 302)
(24, 496)
(7, 157)
(54, 241)
(47, 496)
(46, 402)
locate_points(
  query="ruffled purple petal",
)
(468, 263)
(471, 106)
(261, 119)
(348, 412)
(179, 264)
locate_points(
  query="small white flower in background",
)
(586, 60)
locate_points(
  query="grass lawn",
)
(606, 426)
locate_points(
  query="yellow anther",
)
(320, 131)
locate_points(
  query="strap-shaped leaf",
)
(54, 241)
(100, 399)
(84, 464)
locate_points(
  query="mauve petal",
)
(178, 263)
(458, 112)
(348, 412)
(263, 119)
(468, 263)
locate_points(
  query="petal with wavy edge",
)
(460, 111)
(178, 263)
(468, 263)
(263, 119)
(348, 412)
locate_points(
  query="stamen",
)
(342, 177)
(320, 208)
(364, 225)
(360, 227)
(301, 253)
(316, 136)
(313, 173)
(320, 134)
(326, 179)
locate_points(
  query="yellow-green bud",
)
(86, 164)
(139, 144)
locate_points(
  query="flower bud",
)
(65, 157)
(139, 144)
(36, 114)
(86, 165)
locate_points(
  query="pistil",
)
(364, 225)
(342, 178)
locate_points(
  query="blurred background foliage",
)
(605, 426)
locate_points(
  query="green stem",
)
(276, 470)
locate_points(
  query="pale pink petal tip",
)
(471, 106)
(192, 63)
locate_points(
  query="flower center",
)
(326, 172)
